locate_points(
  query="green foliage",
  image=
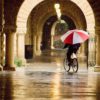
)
(61, 28)
(58, 44)
(18, 62)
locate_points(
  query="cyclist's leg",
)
(75, 50)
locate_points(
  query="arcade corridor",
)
(30, 32)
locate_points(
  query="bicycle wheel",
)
(66, 67)
(75, 65)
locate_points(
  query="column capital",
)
(9, 29)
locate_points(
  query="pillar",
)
(91, 51)
(97, 66)
(38, 45)
(20, 47)
(91, 48)
(52, 47)
(0, 51)
(34, 45)
(1, 31)
(9, 59)
(81, 52)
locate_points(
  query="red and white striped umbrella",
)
(74, 36)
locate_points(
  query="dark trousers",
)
(69, 53)
(69, 56)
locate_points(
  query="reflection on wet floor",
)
(49, 81)
(29, 83)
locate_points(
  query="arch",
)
(30, 4)
(88, 12)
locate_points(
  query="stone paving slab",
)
(49, 81)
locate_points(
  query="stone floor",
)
(47, 80)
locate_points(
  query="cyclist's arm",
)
(65, 46)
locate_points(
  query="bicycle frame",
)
(74, 63)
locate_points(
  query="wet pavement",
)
(49, 81)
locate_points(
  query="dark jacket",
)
(72, 48)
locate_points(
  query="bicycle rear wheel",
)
(66, 67)
(75, 65)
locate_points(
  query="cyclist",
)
(71, 49)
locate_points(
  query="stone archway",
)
(30, 4)
(69, 25)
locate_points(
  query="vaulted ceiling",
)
(45, 9)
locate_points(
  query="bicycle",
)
(73, 63)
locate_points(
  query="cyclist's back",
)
(73, 48)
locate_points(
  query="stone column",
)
(9, 59)
(1, 31)
(20, 47)
(34, 45)
(91, 47)
(82, 53)
(91, 55)
(0, 51)
(38, 50)
(82, 49)
(97, 66)
(52, 47)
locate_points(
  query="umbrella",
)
(74, 36)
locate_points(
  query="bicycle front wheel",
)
(66, 67)
(75, 65)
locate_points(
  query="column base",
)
(6, 68)
(97, 69)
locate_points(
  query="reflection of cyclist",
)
(71, 49)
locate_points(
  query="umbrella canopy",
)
(74, 36)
